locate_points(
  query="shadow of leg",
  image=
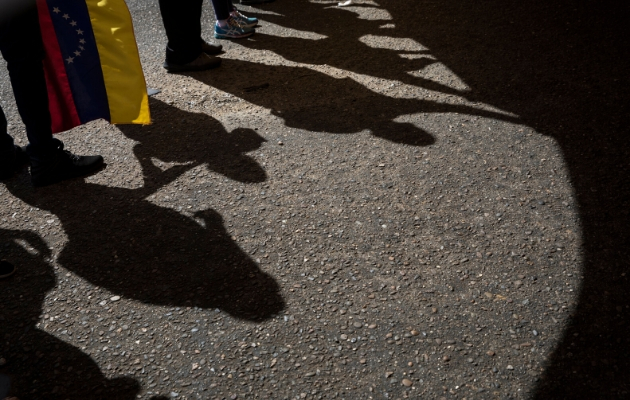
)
(165, 257)
(42, 366)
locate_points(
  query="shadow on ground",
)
(563, 68)
(35, 358)
(119, 240)
(178, 136)
(310, 100)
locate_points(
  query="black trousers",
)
(21, 47)
(6, 141)
(182, 22)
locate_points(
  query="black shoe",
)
(6, 269)
(252, 2)
(201, 63)
(211, 49)
(12, 162)
(62, 165)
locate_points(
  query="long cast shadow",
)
(40, 365)
(314, 101)
(119, 240)
(193, 138)
(562, 67)
(344, 42)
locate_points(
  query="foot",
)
(211, 49)
(12, 162)
(62, 165)
(6, 269)
(201, 63)
(243, 20)
(233, 30)
(251, 2)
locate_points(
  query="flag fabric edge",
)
(114, 52)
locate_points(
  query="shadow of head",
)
(33, 356)
(155, 255)
(311, 100)
(182, 136)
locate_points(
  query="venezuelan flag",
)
(91, 64)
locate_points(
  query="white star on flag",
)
(66, 16)
(70, 60)
(82, 41)
(79, 31)
(56, 10)
(81, 48)
(73, 23)
(77, 53)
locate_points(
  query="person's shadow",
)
(562, 67)
(310, 100)
(345, 41)
(40, 365)
(121, 241)
(180, 136)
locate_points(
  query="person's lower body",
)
(222, 9)
(231, 24)
(6, 141)
(186, 50)
(12, 158)
(21, 47)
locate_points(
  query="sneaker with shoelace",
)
(232, 30)
(244, 20)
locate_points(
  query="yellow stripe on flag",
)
(122, 71)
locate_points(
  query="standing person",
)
(231, 24)
(21, 47)
(186, 50)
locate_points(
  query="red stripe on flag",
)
(63, 111)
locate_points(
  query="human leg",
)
(22, 48)
(6, 141)
(230, 23)
(222, 9)
(186, 50)
(182, 22)
(12, 158)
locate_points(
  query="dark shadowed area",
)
(562, 68)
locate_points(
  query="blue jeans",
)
(222, 8)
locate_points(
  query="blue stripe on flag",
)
(71, 20)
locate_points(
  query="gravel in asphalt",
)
(308, 221)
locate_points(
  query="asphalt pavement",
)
(387, 200)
